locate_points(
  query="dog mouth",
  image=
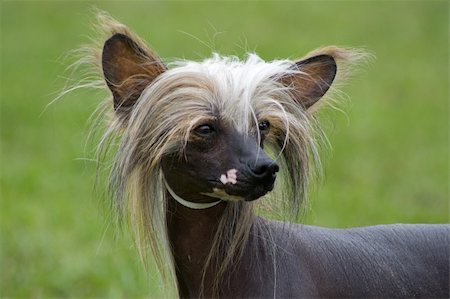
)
(246, 191)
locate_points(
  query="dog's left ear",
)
(128, 67)
(315, 76)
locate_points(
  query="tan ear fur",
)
(128, 69)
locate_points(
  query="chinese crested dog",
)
(200, 142)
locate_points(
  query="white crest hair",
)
(161, 121)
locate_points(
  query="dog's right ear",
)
(128, 69)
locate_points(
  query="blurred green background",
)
(390, 150)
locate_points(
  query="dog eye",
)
(264, 126)
(204, 130)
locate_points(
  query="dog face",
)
(206, 124)
(219, 161)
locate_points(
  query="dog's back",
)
(378, 261)
(384, 261)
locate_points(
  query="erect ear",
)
(313, 79)
(128, 69)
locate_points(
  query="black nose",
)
(264, 172)
(266, 168)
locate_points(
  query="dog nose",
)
(265, 173)
(265, 170)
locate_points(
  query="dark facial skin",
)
(213, 149)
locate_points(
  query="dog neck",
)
(191, 232)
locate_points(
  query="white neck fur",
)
(190, 204)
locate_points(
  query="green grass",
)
(390, 156)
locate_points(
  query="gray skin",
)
(385, 261)
(401, 260)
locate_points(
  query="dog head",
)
(207, 124)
